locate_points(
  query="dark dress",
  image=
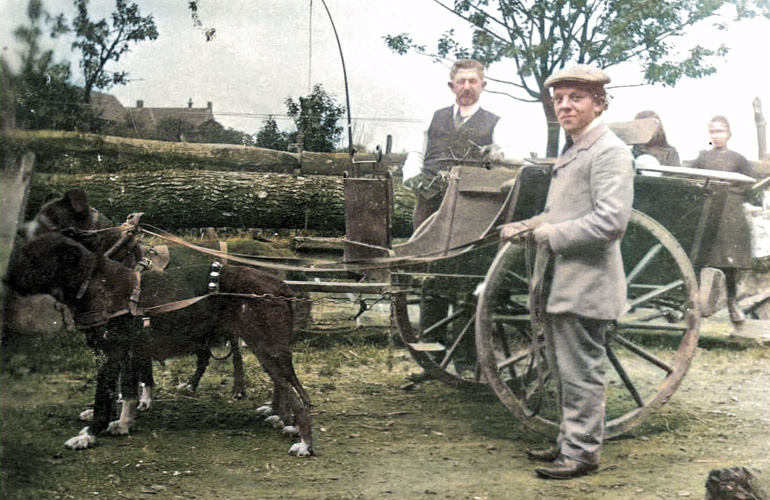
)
(731, 246)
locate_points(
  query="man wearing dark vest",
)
(463, 131)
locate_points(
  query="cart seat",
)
(472, 204)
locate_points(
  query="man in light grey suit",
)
(578, 235)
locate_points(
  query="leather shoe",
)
(566, 468)
(544, 454)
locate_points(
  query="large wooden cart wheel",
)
(662, 296)
(444, 346)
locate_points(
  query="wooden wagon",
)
(483, 335)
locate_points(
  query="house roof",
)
(111, 109)
(107, 105)
(153, 116)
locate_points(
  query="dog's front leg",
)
(129, 386)
(122, 426)
(145, 400)
(239, 386)
(106, 381)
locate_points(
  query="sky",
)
(267, 50)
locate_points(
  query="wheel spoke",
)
(642, 353)
(443, 322)
(624, 376)
(643, 263)
(657, 292)
(511, 360)
(518, 277)
(450, 353)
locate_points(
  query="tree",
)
(212, 132)
(103, 41)
(315, 117)
(43, 96)
(543, 36)
(173, 130)
(271, 137)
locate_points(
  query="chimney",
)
(210, 106)
(139, 104)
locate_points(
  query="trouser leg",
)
(731, 282)
(550, 357)
(731, 285)
(424, 208)
(577, 355)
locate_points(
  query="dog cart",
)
(460, 297)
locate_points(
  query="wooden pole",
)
(759, 121)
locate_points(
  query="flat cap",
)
(579, 73)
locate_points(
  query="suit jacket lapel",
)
(584, 142)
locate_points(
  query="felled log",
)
(80, 153)
(183, 199)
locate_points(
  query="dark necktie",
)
(458, 119)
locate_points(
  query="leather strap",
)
(320, 266)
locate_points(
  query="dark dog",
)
(72, 215)
(253, 304)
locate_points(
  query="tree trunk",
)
(76, 153)
(552, 125)
(178, 199)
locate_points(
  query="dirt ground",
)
(374, 440)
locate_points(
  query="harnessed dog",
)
(108, 302)
(72, 215)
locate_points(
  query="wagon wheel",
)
(662, 296)
(444, 344)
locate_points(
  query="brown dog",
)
(255, 305)
(72, 215)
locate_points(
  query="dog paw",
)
(82, 441)
(118, 428)
(290, 430)
(87, 415)
(143, 405)
(265, 410)
(301, 449)
(275, 421)
(184, 386)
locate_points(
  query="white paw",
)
(290, 430)
(265, 410)
(184, 386)
(118, 428)
(275, 421)
(145, 400)
(87, 415)
(301, 449)
(81, 441)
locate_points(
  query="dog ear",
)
(77, 199)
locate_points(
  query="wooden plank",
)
(700, 173)
(14, 185)
(304, 243)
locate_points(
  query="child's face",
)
(719, 134)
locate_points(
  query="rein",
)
(325, 266)
(131, 226)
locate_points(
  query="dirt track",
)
(373, 439)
